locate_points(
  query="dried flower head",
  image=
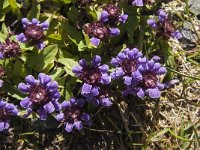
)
(9, 49)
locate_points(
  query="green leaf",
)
(74, 34)
(55, 37)
(131, 25)
(82, 46)
(5, 4)
(158, 134)
(13, 4)
(50, 51)
(169, 58)
(67, 1)
(73, 14)
(55, 74)
(35, 10)
(19, 69)
(69, 63)
(179, 137)
(13, 91)
(166, 130)
(128, 9)
(2, 37)
(68, 91)
(14, 7)
(88, 43)
(44, 59)
(4, 30)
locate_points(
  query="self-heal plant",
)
(73, 116)
(164, 27)
(42, 96)
(9, 49)
(126, 64)
(112, 14)
(6, 111)
(94, 76)
(148, 84)
(33, 32)
(99, 31)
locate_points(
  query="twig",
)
(124, 121)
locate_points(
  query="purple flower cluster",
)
(43, 99)
(99, 31)
(112, 14)
(126, 64)
(6, 111)
(33, 32)
(149, 83)
(141, 76)
(73, 116)
(164, 27)
(9, 49)
(94, 76)
(42, 96)
(106, 27)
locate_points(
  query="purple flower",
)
(148, 83)
(114, 32)
(164, 26)
(99, 31)
(152, 23)
(137, 3)
(126, 64)
(101, 98)
(6, 111)
(176, 34)
(104, 16)
(162, 16)
(171, 83)
(34, 32)
(112, 14)
(123, 18)
(42, 96)
(93, 75)
(95, 41)
(156, 58)
(73, 116)
(9, 49)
